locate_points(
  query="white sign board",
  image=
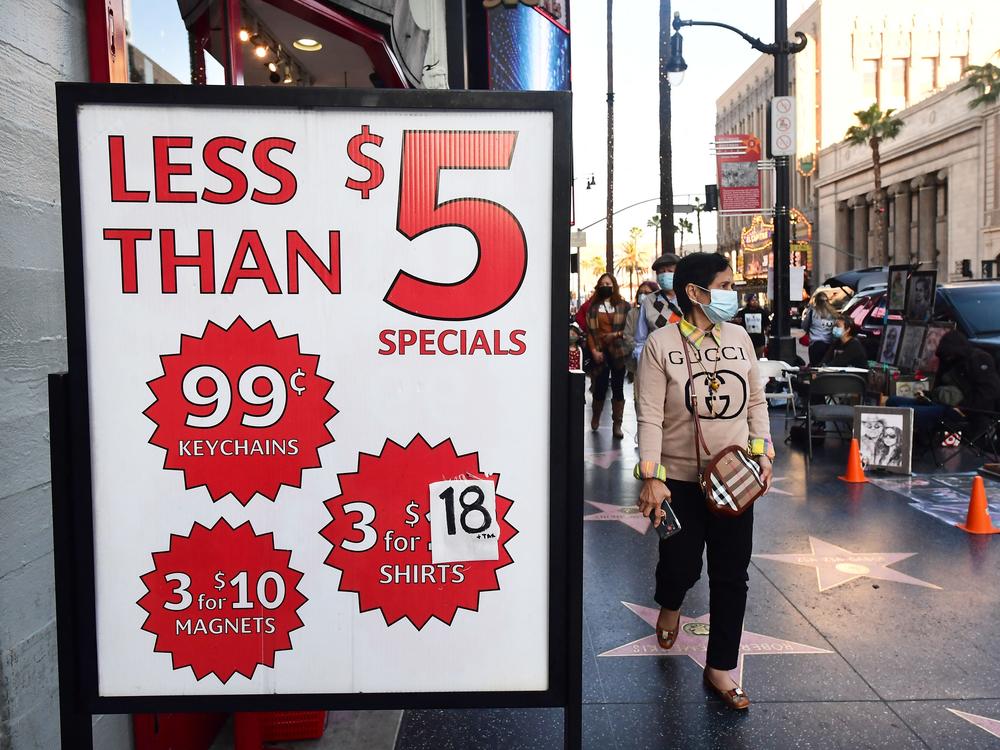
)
(796, 283)
(308, 330)
(783, 126)
(577, 238)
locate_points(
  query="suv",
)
(973, 306)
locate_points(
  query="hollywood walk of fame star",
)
(990, 725)
(836, 566)
(626, 514)
(692, 641)
(604, 459)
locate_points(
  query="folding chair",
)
(834, 388)
(780, 372)
(977, 430)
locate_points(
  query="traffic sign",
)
(783, 126)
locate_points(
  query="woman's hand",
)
(651, 497)
(766, 471)
(597, 356)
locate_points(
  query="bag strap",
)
(699, 442)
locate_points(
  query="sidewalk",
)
(869, 624)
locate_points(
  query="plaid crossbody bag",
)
(731, 481)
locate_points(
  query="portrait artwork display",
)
(885, 436)
(891, 337)
(897, 289)
(927, 360)
(909, 347)
(920, 296)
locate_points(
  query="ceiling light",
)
(288, 75)
(244, 35)
(272, 67)
(260, 50)
(307, 45)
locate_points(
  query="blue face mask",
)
(838, 332)
(724, 305)
(666, 280)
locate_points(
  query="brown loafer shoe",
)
(665, 638)
(735, 699)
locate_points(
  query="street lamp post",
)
(781, 343)
(666, 154)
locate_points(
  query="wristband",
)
(650, 470)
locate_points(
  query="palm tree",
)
(593, 265)
(698, 208)
(631, 259)
(985, 81)
(875, 127)
(654, 222)
(683, 225)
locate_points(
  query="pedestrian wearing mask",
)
(818, 324)
(645, 289)
(660, 308)
(606, 341)
(845, 348)
(728, 392)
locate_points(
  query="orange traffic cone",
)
(855, 473)
(978, 520)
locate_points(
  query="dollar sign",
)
(220, 581)
(375, 173)
(411, 511)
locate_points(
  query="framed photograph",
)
(891, 336)
(920, 296)
(908, 388)
(898, 276)
(927, 360)
(909, 347)
(885, 435)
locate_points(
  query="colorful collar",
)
(696, 336)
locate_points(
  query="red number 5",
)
(503, 251)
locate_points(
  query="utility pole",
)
(782, 345)
(610, 230)
(666, 154)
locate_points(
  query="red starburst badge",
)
(419, 532)
(240, 410)
(222, 600)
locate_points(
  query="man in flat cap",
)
(660, 308)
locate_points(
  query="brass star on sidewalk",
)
(990, 725)
(836, 566)
(626, 514)
(692, 641)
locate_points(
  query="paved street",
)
(871, 623)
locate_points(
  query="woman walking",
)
(605, 339)
(818, 324)
(729, 393)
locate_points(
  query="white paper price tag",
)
(464, 521)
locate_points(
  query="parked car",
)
(974, 306)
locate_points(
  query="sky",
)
(715, 58)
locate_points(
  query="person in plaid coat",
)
(606, 341)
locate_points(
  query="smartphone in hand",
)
(669, 525)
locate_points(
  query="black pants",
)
(603, 376)
(729, 541)
(816, 351)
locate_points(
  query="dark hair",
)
(849, 325)
(616, 297)
(699, 269)
(649, 286)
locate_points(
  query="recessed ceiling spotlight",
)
(260, 50)
(272, 67)
(244, 35)
(307, 45)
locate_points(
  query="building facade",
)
(942, 205)
(893, 52)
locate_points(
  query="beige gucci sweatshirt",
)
(735, 414)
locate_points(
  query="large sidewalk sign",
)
(318, 399)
